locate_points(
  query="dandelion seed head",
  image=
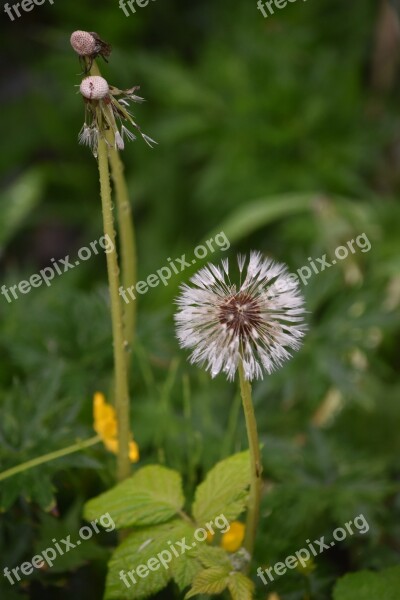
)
(94, 87)
(257, 323)
(83, 43)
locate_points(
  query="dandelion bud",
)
(94, 88)
(83, 43)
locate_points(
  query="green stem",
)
(253, 511)
(34, 462)
(126, 231)
(128, 242)
(120, 362)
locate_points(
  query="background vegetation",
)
(282, 133)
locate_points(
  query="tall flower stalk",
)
(119, 342)
(126, 230)
(104, 130)
(247, 328)
(127, 241)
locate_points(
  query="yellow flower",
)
(105, 425)
(233, 538)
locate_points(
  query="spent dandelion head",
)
(106, 109)
(89, 45)
(256, 323)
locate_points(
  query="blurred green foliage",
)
(271, 131)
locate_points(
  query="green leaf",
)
(153, 495)
(213, 556)
(209, 581)
(185, 570)
(259, 213)
(217, 578)
(138, 549)
(240, 587)
(366, 585)
(224, 490)
(17, 202)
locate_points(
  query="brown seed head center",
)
(241, 313)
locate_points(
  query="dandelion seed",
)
(126, 133)
(119, 141)
(256, 323)
(148, 140)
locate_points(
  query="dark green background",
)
(253, 116)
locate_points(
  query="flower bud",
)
(83, 43)
(94, 88)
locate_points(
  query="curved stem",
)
(34, 462)
(120, 362)
(253, 511)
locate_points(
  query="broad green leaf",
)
(17, 202)
(153, 495)
(367, 585)
(240, 586)
(259, 213)
(209, 581)
(141, 546)
(224, 490)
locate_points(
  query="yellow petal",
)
(233, 538)
(105, 421)
(111, 444)
(105, 425)
(133, 452)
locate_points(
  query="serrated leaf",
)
(240, 586)
(366, 585)
(138, 549)
(185, 570)
(224, 490)
(209, 581)
(153, 495)
(213, 556)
